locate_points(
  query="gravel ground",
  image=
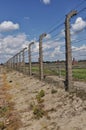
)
(56, 110)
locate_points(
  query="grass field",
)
(78, 73)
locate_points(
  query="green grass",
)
(78, 73)
(46, 70)
(40, 95)
(35, 68)
(50, 72)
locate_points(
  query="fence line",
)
(55, 55)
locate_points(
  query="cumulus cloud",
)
(78, 26)
(79, 52)
(8, 26)
(52, 48)
(46, 1)
(81, 48)
(10, 45)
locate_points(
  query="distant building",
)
(74, 61)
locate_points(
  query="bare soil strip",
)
(9, 118)
(41, 106)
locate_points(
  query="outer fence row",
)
(37, 61)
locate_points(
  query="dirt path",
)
(43, 106)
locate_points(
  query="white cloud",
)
(79, 25)
(56, 50)
(10, 45)
(8, 26)
(81, 48)
(46, 1)
(52, 49)
(79, 53)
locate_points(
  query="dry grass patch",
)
(11, 118)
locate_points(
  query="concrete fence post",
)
(23, 59)
(20, 61)
(69, 82)
(16, 61)
(30, 64)
(41, 56)
(13, 62)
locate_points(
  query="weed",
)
(4, 110)
(39, 99)
(41, 93)
(38, 112)
(2, 126)
(39, 96)
(38, 109)
(53, 91)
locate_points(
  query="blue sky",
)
(22, 21)
(33, 16)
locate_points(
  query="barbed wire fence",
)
(56, 53)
